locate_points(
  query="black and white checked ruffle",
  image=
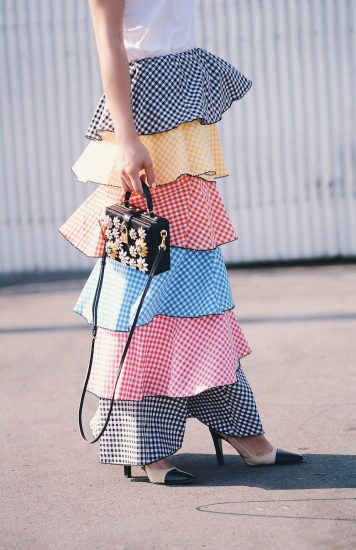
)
(169, 89)
(140, 432)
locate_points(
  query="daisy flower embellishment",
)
(141, 247)
(133, 233)
(117, 221)
(108, 233)
(123, 257)
(132, 263)
(142, 265)
(111, 250)
(116, 233)
(133, 250)
(108, 221)
(141, 232)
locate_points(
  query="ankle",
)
(160, 464)
(255, 444)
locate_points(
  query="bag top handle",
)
(148, 198)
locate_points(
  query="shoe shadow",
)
(315, 471)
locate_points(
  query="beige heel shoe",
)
(275, 456)
(168, 476)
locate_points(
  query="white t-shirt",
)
(158, 27)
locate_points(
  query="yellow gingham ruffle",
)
(191, 148)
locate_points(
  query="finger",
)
(143, 179)
(125, 186)
(136, 182)
(122, 196)
(125, 181)
(150, 174)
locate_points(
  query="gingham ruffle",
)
(171, 356)
(191, 148)
(196, 213)
(178, 87)
(230, 409)
(196, 284)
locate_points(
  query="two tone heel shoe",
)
(164, 476)
(174, 476)
(275, 456)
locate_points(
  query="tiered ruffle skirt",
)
(188, 341)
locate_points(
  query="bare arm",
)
(107, 19)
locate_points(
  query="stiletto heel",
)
(217, 439)
(127, 471)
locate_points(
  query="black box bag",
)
(133, 235)
(140, 240)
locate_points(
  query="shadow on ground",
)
(316, 471)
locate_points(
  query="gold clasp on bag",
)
(163, 234)
(124, 238)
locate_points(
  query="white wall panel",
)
(289, 143)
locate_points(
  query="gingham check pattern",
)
(196, 284)
(196, 213)
(140, 432)
(178, 87)
(191, 148)
(172, 356)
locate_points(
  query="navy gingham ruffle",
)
(229, 409)
(178, 87)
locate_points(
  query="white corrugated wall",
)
(289, 143)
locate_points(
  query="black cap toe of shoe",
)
(177, 477)
(285, 457)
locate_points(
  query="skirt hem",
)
(158, 315)
(175, 246)
(185, 396)
(91, 182)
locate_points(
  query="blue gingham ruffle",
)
(196, 284)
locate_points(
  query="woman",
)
(157, 121)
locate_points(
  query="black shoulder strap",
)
(94, 332)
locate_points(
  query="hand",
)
(133, 157)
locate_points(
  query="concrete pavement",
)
(301, 325)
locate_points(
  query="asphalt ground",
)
(301, 325)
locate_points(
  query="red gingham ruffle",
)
(197, 215)
(171, 356)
